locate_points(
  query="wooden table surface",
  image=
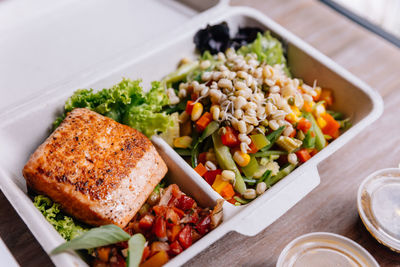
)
(331, 207)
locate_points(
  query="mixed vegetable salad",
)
(237, 116)
(241, 120)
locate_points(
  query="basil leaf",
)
(135, 250)
(95, 237)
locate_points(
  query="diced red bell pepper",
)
(203, 157)
(204, 120)
(204, 225)
(160, 227)
(189, 107)
(304, 125)
(194, 96)
(185, 237)
(230, 137)
(210, 176)
(185, 203)
(303, 155)
(146, 222)
(175, 248)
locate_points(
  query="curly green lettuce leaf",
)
(66, 226)
(126, 103)
(268, 49)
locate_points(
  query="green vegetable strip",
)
(135, 250)
(320, 141)
(282, 173)
(309, 141)
(226, 162)
(250, 169)
(268, 153)
(95, 237)
(272, 137)
(183, 152)
(181, 72)
(265, 177)
(209, 130)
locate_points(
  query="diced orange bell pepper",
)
(318, 95)
(293, 133)
(253, 148)
(303, 155)
(219, 184)
(307, 106)
(157, 260)
(204, 120)
(304, 125)
(200, 169)
(327, 96)
(332, 126)
(227, 192)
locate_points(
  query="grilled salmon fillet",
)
(97, 169)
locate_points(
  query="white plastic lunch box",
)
(25, 126)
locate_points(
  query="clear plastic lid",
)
(324, 249)
(378, 203)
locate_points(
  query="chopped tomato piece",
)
(204, 120)
(171, 217)
(173, 232)
(303, 155)
(185, 203)
(200, 169)
(189, 107)
(180, 212)
(332, 126)
(185, 237)
(158, 246)
(227, 192)
(160, 210)
(230, 137)
(175, 191)
(146, 253)
(160, 227)
(209, 176)
(156, 260)
(175, 248)
(146, 222)
(304, 125)
(204, 225)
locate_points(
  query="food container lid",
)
(378, 203)
(324, 249)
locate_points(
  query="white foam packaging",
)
(151, 56)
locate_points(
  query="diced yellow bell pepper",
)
(219, 184)
(321, 122)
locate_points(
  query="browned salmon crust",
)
(99, 170)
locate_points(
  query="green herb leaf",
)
(135, 250)
(95, 237)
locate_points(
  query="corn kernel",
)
(296, 110)
(197, 111)
(182, 142)
(321, 122)
(242, 159)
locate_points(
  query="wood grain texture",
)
(331, 207)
